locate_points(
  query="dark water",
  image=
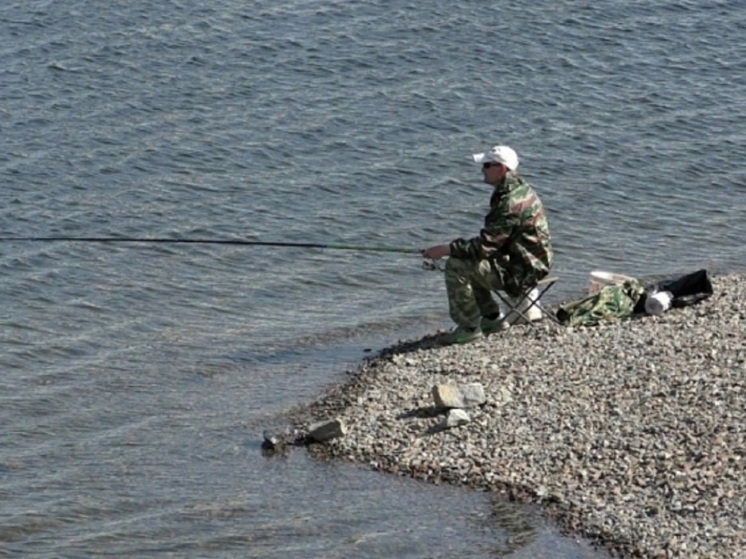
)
(136, 380)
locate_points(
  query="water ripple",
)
(132, 374)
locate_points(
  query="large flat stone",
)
(465, 396)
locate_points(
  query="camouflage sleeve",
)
(498, 232)
(500, 224)
(466, 248)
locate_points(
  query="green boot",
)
(491, 325)
(462, 335)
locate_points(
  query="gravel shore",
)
(631, 433)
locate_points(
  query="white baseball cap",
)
(499, 154)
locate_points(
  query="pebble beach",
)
(631, 433)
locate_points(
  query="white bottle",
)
(658, 303)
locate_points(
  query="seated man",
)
(511, 253)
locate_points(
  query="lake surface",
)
(137, 379)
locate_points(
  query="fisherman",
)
(511, 253)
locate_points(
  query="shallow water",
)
(137, 379)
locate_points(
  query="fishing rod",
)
(241, 242)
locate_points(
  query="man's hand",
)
(436, 252)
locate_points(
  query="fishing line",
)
(240, 242)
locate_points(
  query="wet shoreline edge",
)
(629, 434)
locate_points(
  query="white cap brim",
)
(499, 154)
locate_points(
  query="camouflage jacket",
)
(515, 234)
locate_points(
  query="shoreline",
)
(630, 433)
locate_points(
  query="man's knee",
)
(463, 265)
(456, 267)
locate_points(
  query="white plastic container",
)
(658, 303)
(598, 280)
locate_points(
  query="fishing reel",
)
(432, 265)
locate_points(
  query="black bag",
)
(686, 290)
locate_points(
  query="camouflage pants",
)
(469, 284)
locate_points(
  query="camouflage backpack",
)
(613, 301)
